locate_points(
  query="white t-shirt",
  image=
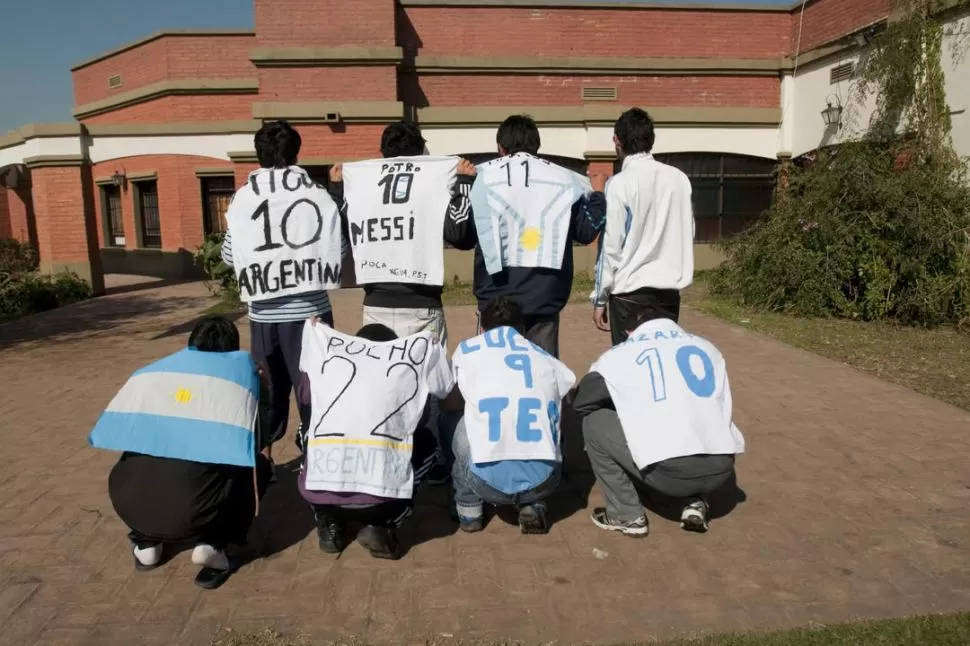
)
(285, 232)
(367, 399)
(670, 389)
(396, 212)
(522, 207)
(513, 392)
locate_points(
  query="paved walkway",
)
(857, 506)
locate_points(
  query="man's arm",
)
(336, 191)
(589, 212)
(591, 395)
(611, 246)
(460, 230)
(226, 251)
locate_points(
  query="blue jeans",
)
(471, 492)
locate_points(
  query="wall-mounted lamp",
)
(118, 179)
(832, 114)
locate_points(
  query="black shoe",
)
(438, 475)
(330, 533)
(210, 578)
(381, 542)
(532, 519)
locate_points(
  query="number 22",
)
(701, 387)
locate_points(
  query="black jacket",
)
(404, 295)
(591, 394)
(540, 291)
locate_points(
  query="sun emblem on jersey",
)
(530, 239)
(183, 396)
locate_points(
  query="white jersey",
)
(285, 231)
(396, 212)
(367, 399)
(522, 207)
(513, 391)
(670, 389)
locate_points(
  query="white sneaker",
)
(147, 556)
(693, 518)
(637, 528)
(208, 556)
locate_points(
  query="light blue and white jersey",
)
(671, 392)
(513, 392)
(191, 405)
(522, 207)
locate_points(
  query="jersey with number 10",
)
(670, 389)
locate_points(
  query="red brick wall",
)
(58, 202)
(595, 32)
(328, 83)
(826, 20)
(496, 89)
(325, 23)
(15, 213)
(6, 232)
(179, 197)
(170, 57)
(188, 108)
(355, 140)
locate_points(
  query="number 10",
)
(703, 387)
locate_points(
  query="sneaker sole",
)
(531, 524)
(694, 524)
(626, 531)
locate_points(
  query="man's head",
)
(518, 134)
(644, 317)
(377, 333)
(402, 139)
(214, 334)
(633, 133)
(277, 145)
(503, 312)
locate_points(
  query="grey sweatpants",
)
(616, 472)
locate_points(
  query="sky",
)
(41, 39)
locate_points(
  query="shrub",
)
(17, 258)
(221, 277)
(30, 292)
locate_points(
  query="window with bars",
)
(730, 191)
(146, 201)
(217, 193)
(114, 226)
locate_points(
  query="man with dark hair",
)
(506, 446)
(657, 411)
(189, 474)
(647, 248)
(536, 266)
(411, 307)
(366, 452)
(276, 322)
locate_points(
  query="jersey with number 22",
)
(670, 389)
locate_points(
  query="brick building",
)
(164, 126)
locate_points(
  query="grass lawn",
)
(948, 630)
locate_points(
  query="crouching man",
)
(507, 445)
(657, 410)
(368, 445)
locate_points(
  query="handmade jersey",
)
(522, 207)
(513, 391)
(395, 212)
(285, 232)
(367, 399)
(670, 389)
(191, 405)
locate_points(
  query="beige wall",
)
(458, 264)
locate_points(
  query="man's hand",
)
(467, 168)
(337, 173)
(598, 180)
(600, 319)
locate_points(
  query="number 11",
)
(508, 172)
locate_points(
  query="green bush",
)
(17, 258)
(30, 292)
(221, 277)
(859, 235)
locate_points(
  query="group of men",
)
(386, 409)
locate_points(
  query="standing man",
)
(283, 241)
(526, 214)
(647, 248)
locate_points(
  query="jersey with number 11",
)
(670, 389)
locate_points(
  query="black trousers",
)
(543, 330)
(626, 309)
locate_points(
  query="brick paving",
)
(855, 505)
